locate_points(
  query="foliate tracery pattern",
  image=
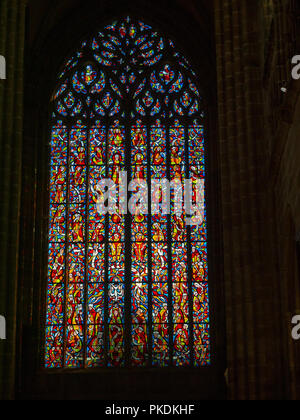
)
(125, 290)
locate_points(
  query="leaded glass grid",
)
(125, 290)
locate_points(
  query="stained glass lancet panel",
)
(127, 289)
(159, 260)
(116, 252)
(140, 249)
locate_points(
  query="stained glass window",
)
(127, 288)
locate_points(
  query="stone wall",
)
(251, 280)
(12, 36)
(282, 114)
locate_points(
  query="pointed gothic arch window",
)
(126, 289)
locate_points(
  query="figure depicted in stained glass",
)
(180, 303)
(97, 235)
(74, 347)
(158, 158)
(140, 248)
(95, 346)
(160, 262)
(96, 269)
(116, 138)
(140, 299)
(140, 316)
(139, 343)
(78, 156)
(160, 303)
(59, 184)
(75, 309)
(95, 317)
(58, 265)
(181, 344)
(138, 158)
(139, 270)
(176, 156)
(160, 345)
(116, 248)
(96, 194)
(178, 228)
(55, 304)
(77, 184)
(76, 264)
(76, 225)
(54, 347)
(158, 234)
(57, 224)
(201, 306)
(139, 138)
(198, 265)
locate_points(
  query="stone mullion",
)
(10, 177)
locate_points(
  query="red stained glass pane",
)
(199, 258)
(98, 146)
(201, 303)
(56, 267)
(77, 223)
(180, 303)
(75, 304)
(181, 345)
(77, 184)
(116, 262)
(58, 184)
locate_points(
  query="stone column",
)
(12, 32)
(251, 281)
